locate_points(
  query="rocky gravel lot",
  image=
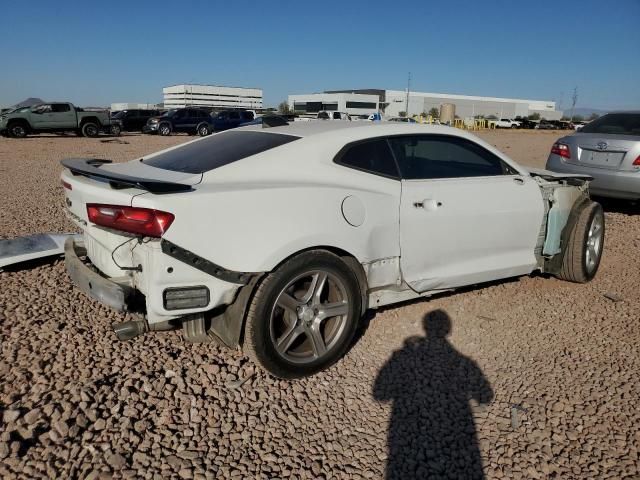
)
(530, 378)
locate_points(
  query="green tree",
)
(578, 118)
(593, 116)
(534, 116)
(284, 107)
(434, 112)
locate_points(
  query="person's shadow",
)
(432, 432)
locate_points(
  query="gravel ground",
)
(529, 378)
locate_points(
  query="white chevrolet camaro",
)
(276, 240)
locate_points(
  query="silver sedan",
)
(608, 149)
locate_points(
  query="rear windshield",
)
(615, 123)
(218, 150)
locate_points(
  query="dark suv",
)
(134, 120)
(227, 119)
(186, 120)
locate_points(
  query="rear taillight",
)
(561, 149)
(142, 221)
(636, 162)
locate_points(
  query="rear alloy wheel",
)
(90, 129)
(303, 316)
(18, 130)
(204, 130)
(583, 250)
(164, 129)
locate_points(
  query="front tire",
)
(90, 130)
(164, 129)
(303, 316)
(203, 130)
(585, 243)
(115, 130)
(18, 130)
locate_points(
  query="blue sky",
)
(95, 53)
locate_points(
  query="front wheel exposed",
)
(303, 316)
(18, 130)
(583, 251)
(164, 129)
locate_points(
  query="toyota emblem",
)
(602, 145)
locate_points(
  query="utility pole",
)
(574, 100)
(406, 103)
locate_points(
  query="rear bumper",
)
(90, 282)
(607, 183)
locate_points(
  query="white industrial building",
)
(352, 103)
(392, 102)
(211, 96)
(116, 107)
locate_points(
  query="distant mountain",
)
(28, 102)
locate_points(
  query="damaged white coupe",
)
(277, 240)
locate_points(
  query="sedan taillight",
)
(142, 221)
(561, 149)
(636, 162)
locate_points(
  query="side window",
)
(323, 115)
(46, 108)
(372, 156)
(60, 107)
(336, 115)
(442, 156)
(247, 115)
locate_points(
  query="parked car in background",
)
(526, 123)
(267, 121)
(507, 123)
(579, 125)
(279, 240)
(181, 120)
(57, 117)
(227, 119)
(607, 149)
(545, 125)
(402, 119)
(134, 120)
(332, 115)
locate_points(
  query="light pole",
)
(406, 104)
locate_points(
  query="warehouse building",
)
(352, 103)
(211, 96)
(116, 107)
(393, 102)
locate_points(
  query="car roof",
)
(352, 131)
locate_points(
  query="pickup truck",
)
(56, 117)
(507, 123)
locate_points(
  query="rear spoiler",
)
(90, 167)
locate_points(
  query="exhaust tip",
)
(131, 329)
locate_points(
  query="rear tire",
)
(583, 251)
(115, 130)
(303, 316)
(90, 130)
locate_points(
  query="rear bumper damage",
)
(220, 320)
(91, 283)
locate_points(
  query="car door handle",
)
(428, 204)
(518, 180)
